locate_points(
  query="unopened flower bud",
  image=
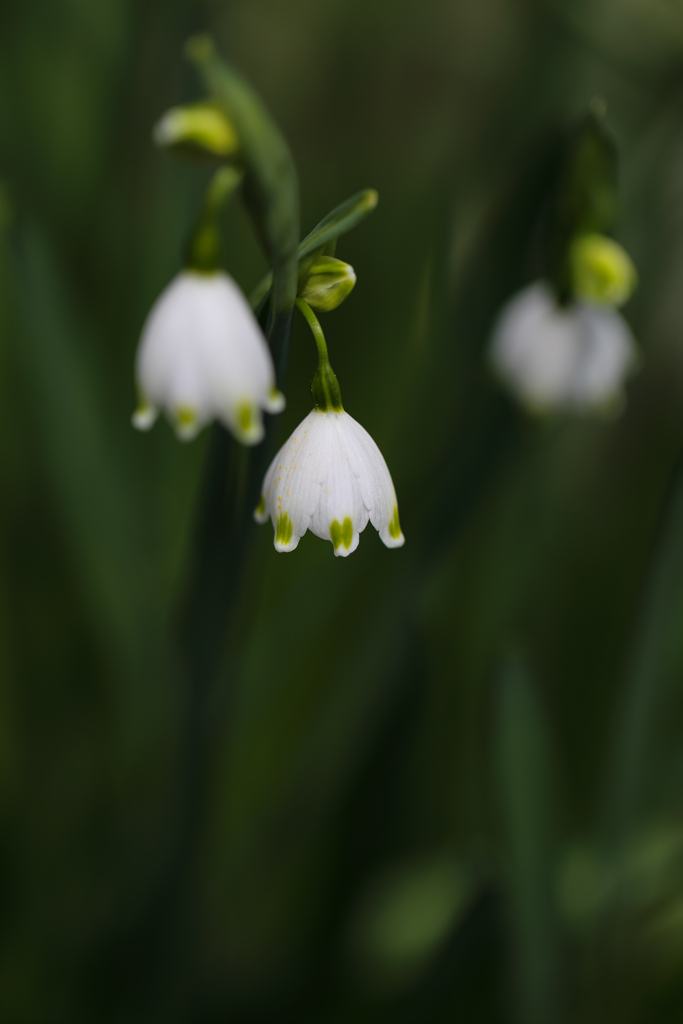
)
(328, 283)
(602, 271)
(198, 129)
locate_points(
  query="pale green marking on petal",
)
(245, 417)
(394, 525)
(246, 423)
(261, 507)
(283, 529)
(341, 534)
(186, 422)
(185, 416)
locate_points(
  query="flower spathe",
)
(202, 356)
(574, 357)
(330, 478)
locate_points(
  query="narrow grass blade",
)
(270, 186)
(523, 773)
(653, 678)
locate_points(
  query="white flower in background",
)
(330, 478)
(574, 357)
(202, 356)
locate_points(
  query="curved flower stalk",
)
(574, 357)
(329, 477)
(202, 355)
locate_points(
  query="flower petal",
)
(608, 354)
(275, 401)
(144, 417)
(186, 423)
(374, 480)
(246, 423)
(285, 537)
(344, 537)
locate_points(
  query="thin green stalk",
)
(324, 386)
(524, 776)
(316, 330)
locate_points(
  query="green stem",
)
(317, 331)
(205, 247)
(324, 386)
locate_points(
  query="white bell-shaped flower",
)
(329, 477)
(202, 356)
(574, 357)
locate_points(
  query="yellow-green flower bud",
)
(602, 271)
(328, 283)
(198, 129)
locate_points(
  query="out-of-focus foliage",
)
(445, 782)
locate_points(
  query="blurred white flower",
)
(573, 357)
(330, 478)
(202, 356)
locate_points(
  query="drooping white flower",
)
(574, 357)
(202, 356)
(330, 478)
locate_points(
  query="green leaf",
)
(405, 917)
(322, 239)
(93, 491)
(652, 681)
(270, 186)
(523, 774)
(344, 217)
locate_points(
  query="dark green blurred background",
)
(446, 782)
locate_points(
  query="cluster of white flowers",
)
(203, 356)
